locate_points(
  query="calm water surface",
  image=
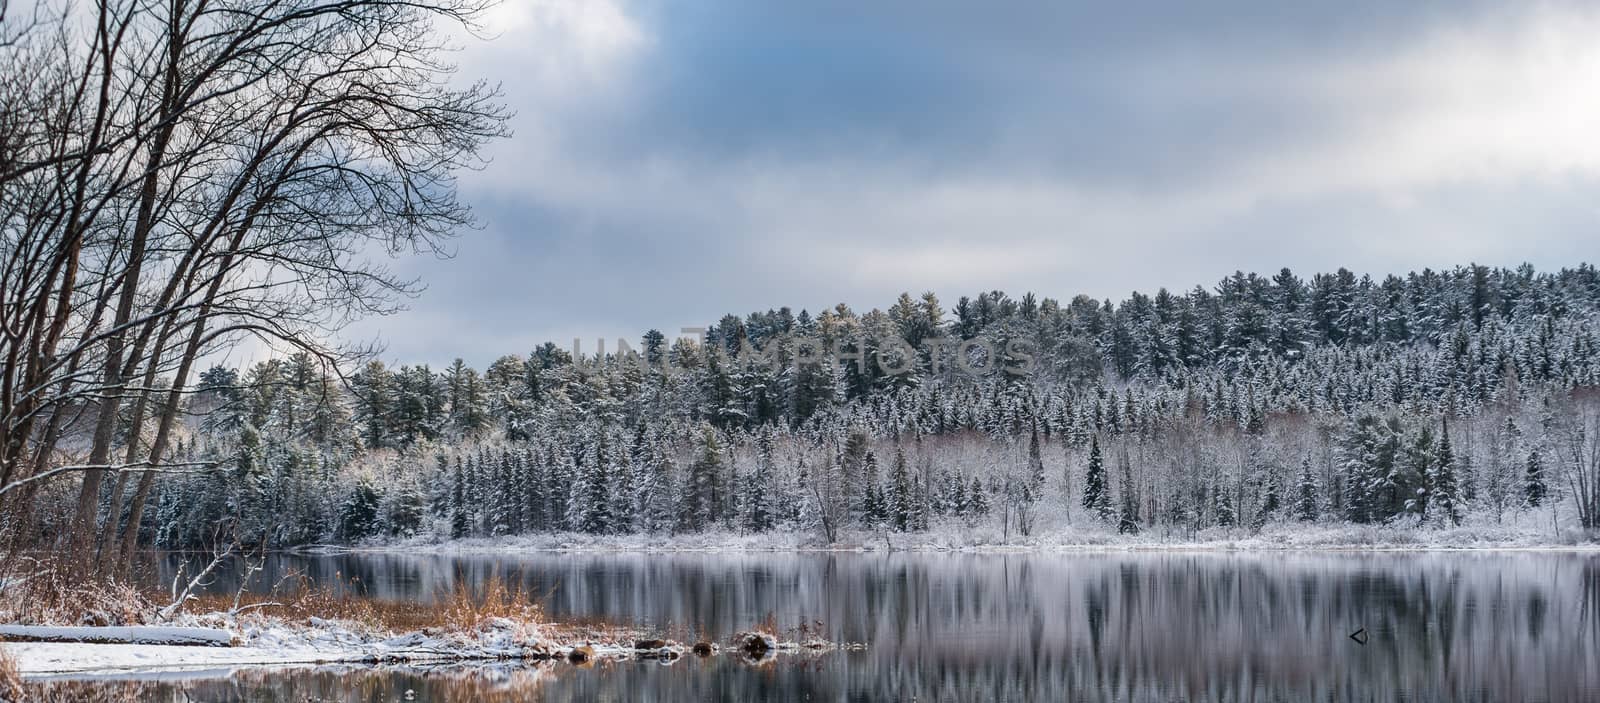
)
(1510, 626)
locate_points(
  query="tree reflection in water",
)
(1130, 627)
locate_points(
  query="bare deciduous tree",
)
(179, 176)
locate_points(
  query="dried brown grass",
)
(10, 678)
(461, 609)
(47, 591)
(43, 591)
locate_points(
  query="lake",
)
(1162, 626)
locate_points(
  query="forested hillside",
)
(1434, 398)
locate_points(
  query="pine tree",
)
(1226, 516)
(406, 509)
(977, 499)
(954, 492)
(1446, 498)
(855, 469)
(1419, 472)
(1534, 488)
(1374, 490)
(500, 495)
(441, 488)
(1128, 516)
(1096, 497)
(1271, 500)
(1036, 477)
(597, 516)
(460, 520)
(875, 510)
(536, 496)
(699, 502)
(902, 510)
(1305, 506)
(358, 512)
(755, 497)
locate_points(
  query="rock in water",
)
(757, 645)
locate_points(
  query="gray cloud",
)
(677, 161)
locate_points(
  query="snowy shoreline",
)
(277, 642)
(262, 640)
(981, 541)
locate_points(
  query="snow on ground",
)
(955, 537)
(139, 634)
(34, 658)
(276, 642)
(273, 641)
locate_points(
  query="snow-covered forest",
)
(1465, 396)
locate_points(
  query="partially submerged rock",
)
(581, 654)
(756, 645)
(664, 650)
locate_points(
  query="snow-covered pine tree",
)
(358, 512)
(1036, 477)
(699, 496)
(595, 516)
(1128, 515)
(1305, 505)
(536, 493)
(1446, 494)
(1534, 487)
(1419, 471)
(902, 500)
(499, 498)
(406, 507)
(1096, 496)
(460, 515)
(1226, 515)
(977, 499)
(1271, 498)
(754, 493)
(441, 487)
(623, 498)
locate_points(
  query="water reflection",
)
(1156, 627)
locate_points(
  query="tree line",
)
(1435, 399)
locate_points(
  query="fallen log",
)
(138, 634)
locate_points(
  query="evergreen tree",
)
(1226, 516)
(1419, 471)
(902, 508)
(1128, 516)
(1446, 498)
(1534, 488)
(441, 494)
(460, 520)
(597, 516)
(1036, 477)
(977, 499)
(860, 473)
(755, 497)
(1305, 506)
(407, 507)
(1096, 497)
(358, 512)
(1271, 500)
(698, 505)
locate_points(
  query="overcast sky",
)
(675, 160)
